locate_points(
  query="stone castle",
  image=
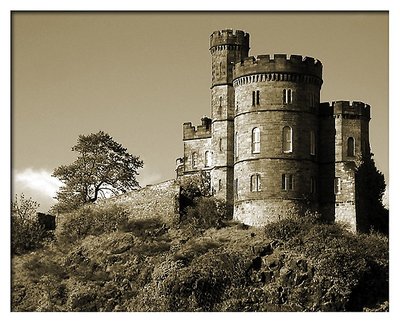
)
(270, 146)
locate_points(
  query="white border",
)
(76, 5)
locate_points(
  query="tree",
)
(103, 167)
(24, 209)
(370, 184)
(26, 232)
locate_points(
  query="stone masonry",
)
(270, 146)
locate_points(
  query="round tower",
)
(227, 47)
(275, 139)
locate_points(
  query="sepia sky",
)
(140, 76)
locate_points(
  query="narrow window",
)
(194, 160)
(258, 97)
(207, 158)
(312, 143)
(219, 184)
(350, 147)
(255, 140)
(287, 96)
(236, 188)
(337, 187)
(220, 101)
(220, 144)
(284, 182)
(236, 145)
(287, 139)
(290, 182)
(287, 182)
(255, 183)
(253, 101)
(313, 185)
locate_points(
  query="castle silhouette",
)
(271, 147)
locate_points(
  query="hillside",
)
(103, 260)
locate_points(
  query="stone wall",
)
(159, 200)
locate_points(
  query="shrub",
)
(145, 228)
(27, 235)
(206, 213)
(91, 221)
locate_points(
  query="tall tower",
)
(227, 47)
(276, 129)
(351, 144)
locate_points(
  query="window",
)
(236, 145)
(287, 139)
(255, 98)
(350, 147)
(287, 182)
(287, 96)
(207, 158)
(338, 186)
(194, 160)
(255, 183)
(219, 184)
(220, 144)
(255, 140)
(313, 185)
(312, 143)
(236, 187)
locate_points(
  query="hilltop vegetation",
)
(104, 260)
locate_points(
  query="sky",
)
(139, 76)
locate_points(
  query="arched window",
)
(312, 143)
(194, 160)
(255, 141)
(350, 147)
(207, 158)
(255, 183)
(287, 145)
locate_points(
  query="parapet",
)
(278, 63)
(199, 132)
(346, 109)
(229, 37)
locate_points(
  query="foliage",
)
(90, 220)
(297, 264)
(23, 208)
(103, 167)
(206, 212)
(26, 232)
(194, 186)
(370, 182)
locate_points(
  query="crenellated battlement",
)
(229, 37)
(345, 109)
(280, 64)
(199, 132)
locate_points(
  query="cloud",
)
(38, 180)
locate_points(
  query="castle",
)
(271, 147)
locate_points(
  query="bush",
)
(206, 213)
(91, 221)
(145, 228)
(27, 235)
